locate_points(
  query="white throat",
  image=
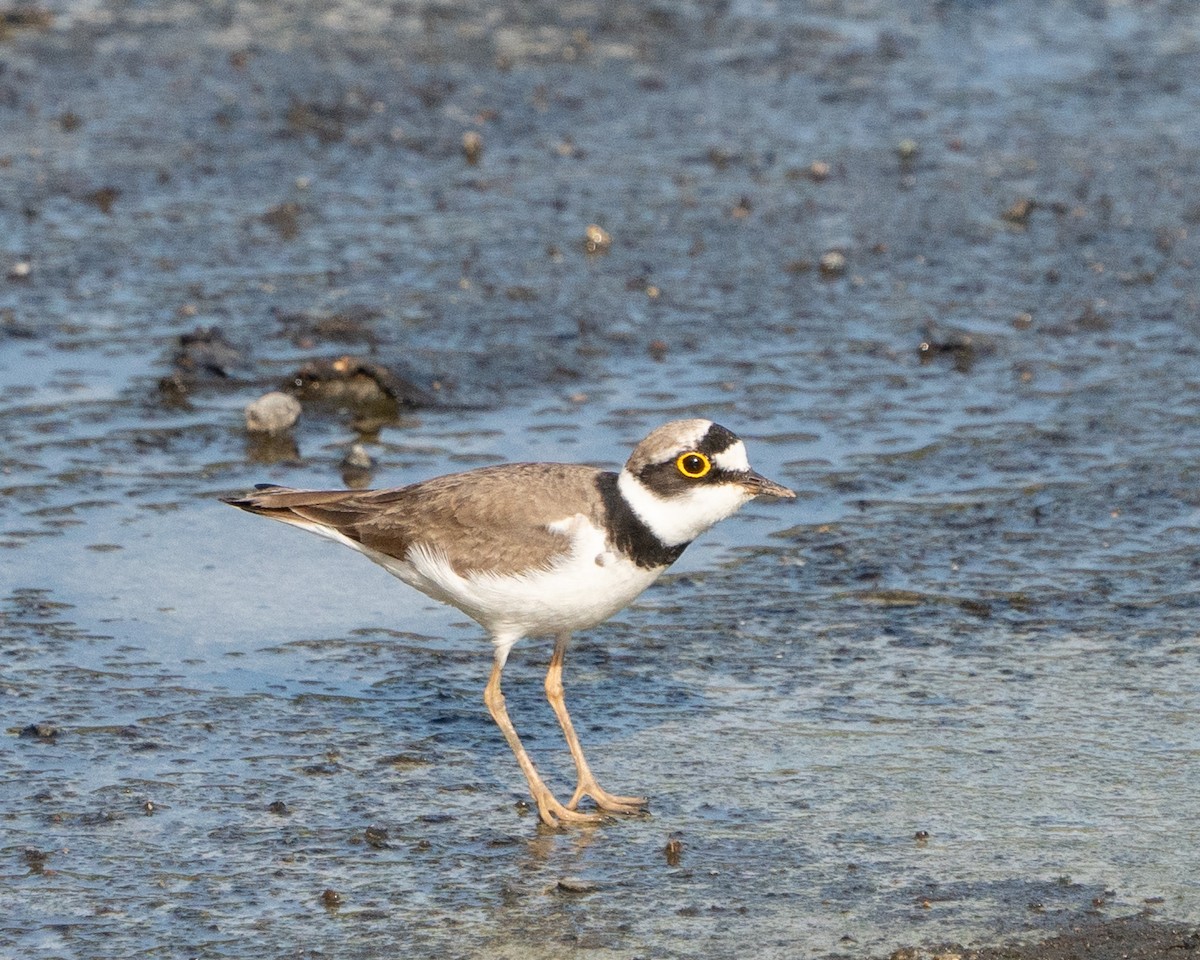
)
(681, 519)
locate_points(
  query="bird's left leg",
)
(550, 810)
(588, 787)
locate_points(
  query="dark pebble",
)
(376, 837)
(207, 353)
(1018, 213)
(35, 859)
(284, 219)
(40, 731)
(577, 885)
(354, 382)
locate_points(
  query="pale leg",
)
(588, 787)
(551, 811)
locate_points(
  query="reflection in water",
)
(269, 448)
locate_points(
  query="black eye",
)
(693, 464)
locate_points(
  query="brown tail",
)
(271, 498)
(321, 511)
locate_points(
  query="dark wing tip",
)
(252, 502)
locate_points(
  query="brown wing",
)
(484, 520)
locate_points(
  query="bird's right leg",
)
(550, 810)
(587, 787)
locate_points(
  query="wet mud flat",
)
(936, 262)
(1127, 938)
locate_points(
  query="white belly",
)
(585, 586)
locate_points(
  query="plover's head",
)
(688, 475)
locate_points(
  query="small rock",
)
(102, 198)
(284, 219)
(273, 413)
(960, 346)
(596, 239)
(326, 121)
(405, 761)
(577, 885)
(331, 899)
(351, 380)
(174, 389)
(279, 808)
(1019, 211)
(207, 353)
(832, 263)
(472, 144)
(10, 327)
(46, 732)
(35, 860)
(1092, 319)
(719, 157)
(24, 18)
(357, 458)
(376, 837)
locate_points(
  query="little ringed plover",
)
(536, 549)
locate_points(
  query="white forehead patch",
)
(732, 458)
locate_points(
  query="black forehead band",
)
(716, 440)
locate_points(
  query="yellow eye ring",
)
(693, 464)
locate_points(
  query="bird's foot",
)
(608, 802)
(555, 814)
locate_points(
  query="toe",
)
(555, 814)
(608, 802)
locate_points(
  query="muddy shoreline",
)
(1137, 937)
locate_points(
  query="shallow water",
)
(978, 623)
